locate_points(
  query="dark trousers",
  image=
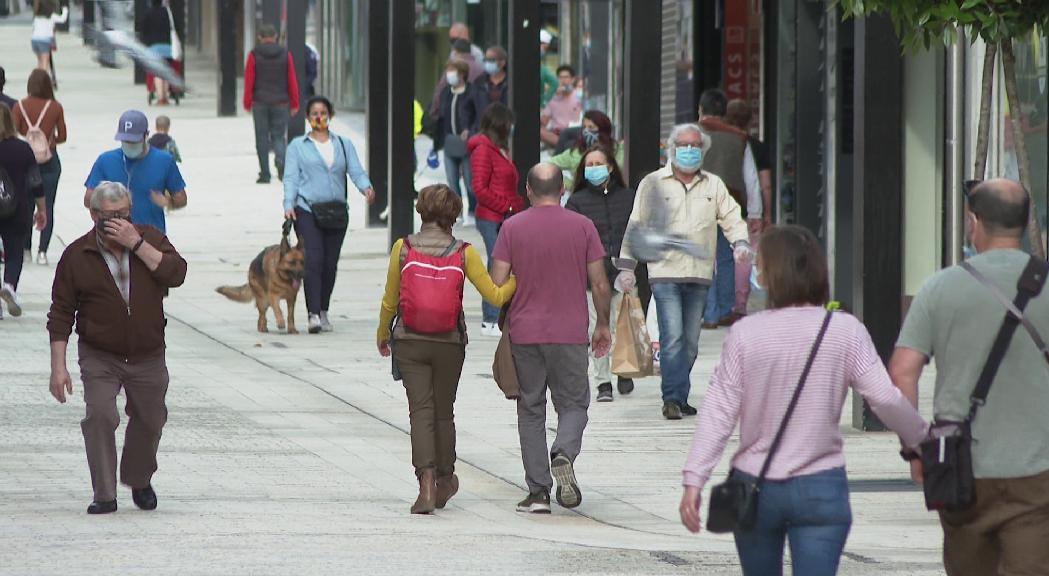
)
(50, 173)
(1005, 532)
(430, 373)
(271, 133)
(145, 384)
(322, 260)
(13, 235)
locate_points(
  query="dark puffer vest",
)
(271, 75)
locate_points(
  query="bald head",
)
(545, 180)
(458, 31)
(1002, 207)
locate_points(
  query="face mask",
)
(320, 123)
(688, 158)
(452, 78)
(579, 93)
(491, 66)
(596, 174)
(132, 149)
(590, 137)
(754, 279)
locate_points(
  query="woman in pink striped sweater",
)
(805, 497)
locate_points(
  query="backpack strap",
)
(406, 246)
(39, 118)
(21, 106)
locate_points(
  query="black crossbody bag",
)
(947, 465)
(734, 502)
(334, 214)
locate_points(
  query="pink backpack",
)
(36, 138)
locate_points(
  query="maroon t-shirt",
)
(548, 248)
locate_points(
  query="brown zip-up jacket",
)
(84, 290)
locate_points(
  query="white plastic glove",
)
(743, 254)
(625, 282)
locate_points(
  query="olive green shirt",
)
(955, 319)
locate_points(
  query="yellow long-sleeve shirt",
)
(476, 272)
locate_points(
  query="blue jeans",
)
(489, 232)
(50, 173)
(722, 298)
(811, 511)
(452, 169)
(679, 309)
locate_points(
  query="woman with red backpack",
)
(41, 120)
(421, 323)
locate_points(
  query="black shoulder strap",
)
(1029, 286)
(346, 172)
(794, 399)
(451, 248)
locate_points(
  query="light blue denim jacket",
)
(307, 179)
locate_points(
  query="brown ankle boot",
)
(427, 493)
(446, 488)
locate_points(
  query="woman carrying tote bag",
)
(316, 169)
(804, 497)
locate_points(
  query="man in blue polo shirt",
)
(150, 174)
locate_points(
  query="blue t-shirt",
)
(156, 171)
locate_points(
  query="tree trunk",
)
(983, 132)
(1023, 162)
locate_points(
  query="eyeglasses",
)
(109, 214)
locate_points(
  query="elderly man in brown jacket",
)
(112, 281)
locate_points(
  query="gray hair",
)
(704, 138)
(109, 192)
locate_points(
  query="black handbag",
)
(334, 214)
(947, 464)
(734, 502)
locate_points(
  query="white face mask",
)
(452, 78)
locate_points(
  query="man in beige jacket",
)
(696, 204)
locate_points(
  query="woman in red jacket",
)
(495, 185)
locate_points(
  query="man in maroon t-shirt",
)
(552, 252)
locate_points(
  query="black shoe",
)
(604, 392)
(688, 410)
(568, 494)
(97, 507)
(145, 498)
(535, 503)
(263, 180)
(671, 410)
(625, 385)
(280, 174)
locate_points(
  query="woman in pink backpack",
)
(421, 323)
(41, 120)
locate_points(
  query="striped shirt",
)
(761, 362)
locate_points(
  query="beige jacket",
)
(694, 211)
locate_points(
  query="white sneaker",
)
(491, 330)
(325, 325)
(9, 296)
(41, 258)
(315, 324)
(468, 220)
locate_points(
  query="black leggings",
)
(322, 260)
(13, 236)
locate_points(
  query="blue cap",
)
(133, 127)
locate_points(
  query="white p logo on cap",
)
(127, 125)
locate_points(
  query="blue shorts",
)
(162, 50)
(41, 46)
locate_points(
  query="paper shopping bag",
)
(632, 354)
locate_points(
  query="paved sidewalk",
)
(289, 454)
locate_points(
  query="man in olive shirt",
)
(955, 319)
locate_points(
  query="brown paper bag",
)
(503, 368)
(632, 354)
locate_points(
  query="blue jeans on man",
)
(679, 310)
(812, 512)
(721, 298)
(489, 233)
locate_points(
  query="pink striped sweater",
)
(761, 362)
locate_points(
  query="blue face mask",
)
(754, 279)
(688, 158)
(133, 150)
(491, 67)
(596, 175)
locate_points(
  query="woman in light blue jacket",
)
(316, 169)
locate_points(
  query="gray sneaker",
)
(535, 503)
(314, 324)
(568, 494)
(325, 325)
(13, 305)
(604, 392)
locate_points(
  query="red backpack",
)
(432, 289)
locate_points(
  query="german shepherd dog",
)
(274, 275)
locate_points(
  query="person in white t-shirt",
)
(43, 39)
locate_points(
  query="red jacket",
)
(249, 83)
(494, 180)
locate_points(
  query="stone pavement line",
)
(281, 467)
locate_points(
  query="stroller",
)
(176, 93)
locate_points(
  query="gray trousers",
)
(271, 132)
(563, 369)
